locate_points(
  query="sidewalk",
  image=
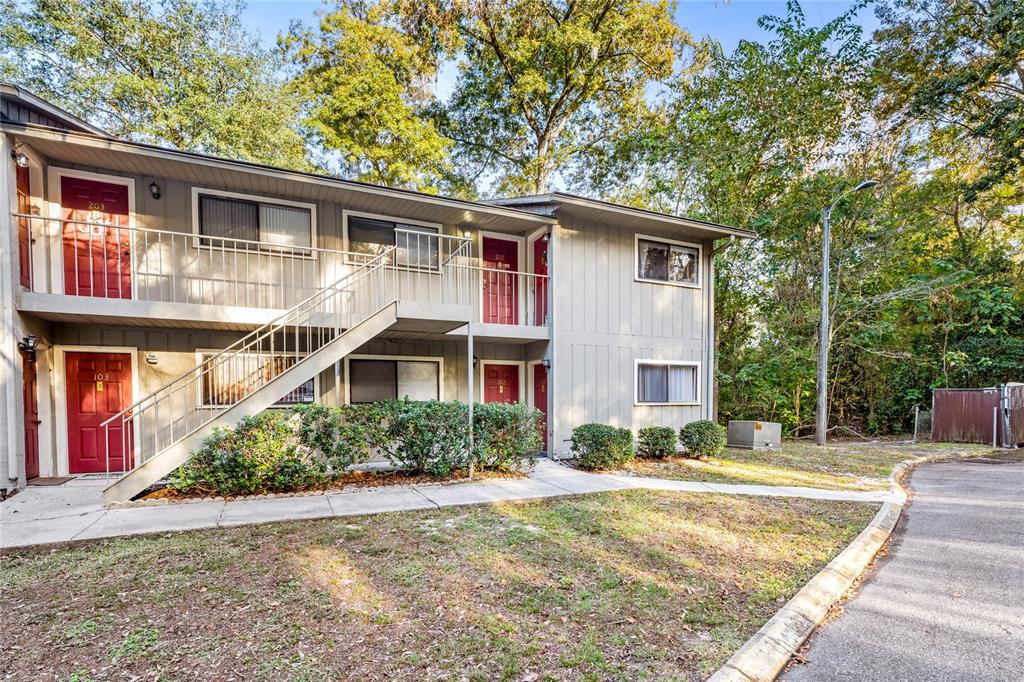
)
(73, 511)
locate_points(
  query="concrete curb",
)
(766, 654)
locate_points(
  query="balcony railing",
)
(81, 258)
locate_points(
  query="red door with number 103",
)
(97, 253)
(99, 385)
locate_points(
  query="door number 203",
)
(97, 206)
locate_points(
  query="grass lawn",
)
(837, 466)
(620, 586)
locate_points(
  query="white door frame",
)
(54, 175)
(61, 394)
(522, 379)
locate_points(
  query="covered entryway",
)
(500, 290)
(501, 382)
(99, 385)
(97, 256)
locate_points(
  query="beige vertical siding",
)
(604, 321)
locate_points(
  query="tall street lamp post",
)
(821, 417)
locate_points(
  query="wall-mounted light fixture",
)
(154, 189)
(28, 345)
(547, 363)
(20, 158)
(475, 361)
(151, 358)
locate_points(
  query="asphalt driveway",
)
(947, 603)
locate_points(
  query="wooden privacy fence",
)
(979, 415)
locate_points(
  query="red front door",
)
(97, 258)
(24, 239)
(540, 397)
(28, 367)
(501, 296)
(540, 290)
(99, 385)
(501, 383)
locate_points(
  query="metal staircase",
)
(159, 432)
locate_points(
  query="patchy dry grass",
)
(837, 466)
(617, 586)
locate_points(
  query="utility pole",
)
(821, 416)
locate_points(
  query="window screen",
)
(666, 383)
(231, 218)
(664, 262)
(375, 380)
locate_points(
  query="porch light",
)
(29, 344)
(151, 358)
(547, 363)
(475, 360)
(154, 189)
(20, 158)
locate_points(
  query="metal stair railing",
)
(190, 401)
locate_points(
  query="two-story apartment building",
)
(151, 294)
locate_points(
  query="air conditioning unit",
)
(754, 435)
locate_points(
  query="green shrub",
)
(655, 442)
(430, 437)
(702, 438)
(259, 455)
(599, 446)
(506, 435)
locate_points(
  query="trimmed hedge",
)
(308, 445)
(599, 446)
(703, 438)
(655, 442)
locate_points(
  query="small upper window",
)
(417, 244)
(666, 383)
(667, 261)
(254, 221)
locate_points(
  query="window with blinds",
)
(226, 218)
(666, 383)
(374, 380)
(417, 244)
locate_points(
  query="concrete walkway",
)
(947, 602)
(73, 511)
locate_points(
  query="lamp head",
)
(865, 185)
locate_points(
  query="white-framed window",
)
(667, 382)
(373, 378)
(232, 380)
(368, 235)
(223, 216)
(667, 261)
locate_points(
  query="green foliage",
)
(260, 455)
(655, 442)
(366, 85)
(599, 446)
(505, 435)
(430, 437)
(542, 82)
(183, 73)
(703, 438)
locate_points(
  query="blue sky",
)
(727, 22)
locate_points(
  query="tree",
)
(367, 86)
(543, 82)
(182, 73)
(959, 65)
